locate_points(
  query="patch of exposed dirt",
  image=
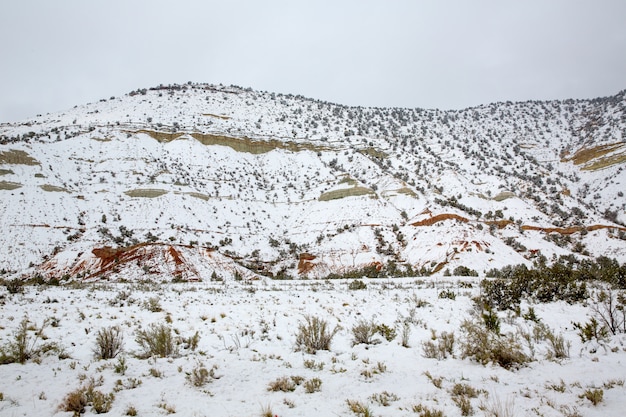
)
(571, 230)
(17, 157)
(584, 155)
(181, 262)
(598, 157)
(242, 144)
(217, 116)
(304, 264)
(439, 218)
(501, 224)
(346, 192)
(146, 192)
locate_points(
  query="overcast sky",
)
(429, 54)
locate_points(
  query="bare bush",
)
(157, 340)
(109, 342)
(363, 333)
(609, 307)
(314, 334)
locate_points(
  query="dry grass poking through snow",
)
(298, 348)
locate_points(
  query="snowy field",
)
(244, 359)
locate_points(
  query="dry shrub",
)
(363, 332)
(312, 385)
(440, 347)
(284, 384)
(75, 402)
(314, 334)
(109, 342)
(485, 347)
(157, 340)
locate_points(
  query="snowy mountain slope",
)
(269, 182)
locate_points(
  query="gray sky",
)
(430, 54)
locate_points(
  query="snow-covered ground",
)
(247, 339)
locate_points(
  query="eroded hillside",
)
(242, 183)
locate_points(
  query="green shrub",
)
(120, 367)
(389, 333)
(449, 294)
(357, 284)
(492, 322)
(592, 330)
(314, 334)
(14, 286)
(463, 271)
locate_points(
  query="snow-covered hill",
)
(199, 180)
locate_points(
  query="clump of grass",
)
(439, 347)
(461, 395)
(109, 342)
(594, 395)
(560, 387)
(357, 284)
(284, 384)
(384, 398)
(314, 334)
(120, 367)
(464, 389)
(496, 408)
(266, 411)
(358, 408)
(424, 411)
(437, 381)
(100, 403)
(169, 409)
(558, 347)
(311, 364)
(611, 383)
(74, 402)
(312, 385)
(77, 400)
(153, 304)
(200, 375)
